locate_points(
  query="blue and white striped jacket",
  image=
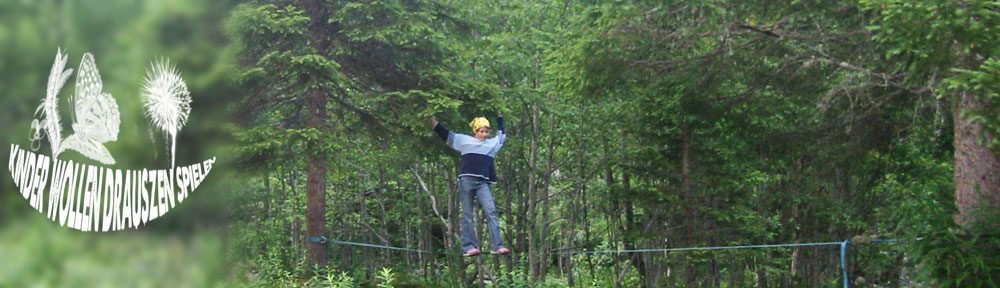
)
(477, 156)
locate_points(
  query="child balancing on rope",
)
(476, 173)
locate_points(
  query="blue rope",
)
(843, 249)
(701, 248)
(324, 240)
(843, 261)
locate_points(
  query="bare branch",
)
(433, 199)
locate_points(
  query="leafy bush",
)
(962, 257)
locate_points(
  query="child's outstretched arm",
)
(500, 126)
(501, 130)
(439, 129)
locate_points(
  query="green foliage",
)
(956, 48)
(250, 23)
(385, 278)
(339, 280)
(931, 36)
(271, 271)
(984, 83)
(957, 257)
(918, 180)
(52, 256)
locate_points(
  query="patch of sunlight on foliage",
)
(38, 253)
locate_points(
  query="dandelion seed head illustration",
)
(166, 99)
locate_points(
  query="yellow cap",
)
(479, 122)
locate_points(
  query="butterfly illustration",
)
(95, 113)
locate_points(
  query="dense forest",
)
(648, 143)
(631, 125)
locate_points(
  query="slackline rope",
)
(843, 249)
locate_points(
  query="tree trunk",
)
(570, 229)
(316, 100)
(316, 183)
(454, 216)
(509, 237)
(691, 274)
(584, 205)
(543, 259)
(761, 273)
(296, 225)
(686, 182)
(267, 216)
(545, 201)
(581, 185)
(977, 168)
(630, 226)
(532, 198)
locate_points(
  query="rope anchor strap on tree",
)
(317, 239)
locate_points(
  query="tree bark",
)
(316, 101)
(580, 188)
(630, 226)
(532, 198)
(977, 168)
(761, 273)
(546, 200)
(267, 217)
(689, 203)
(316, 183)
(510, 236)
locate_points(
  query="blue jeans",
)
(470, 187)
